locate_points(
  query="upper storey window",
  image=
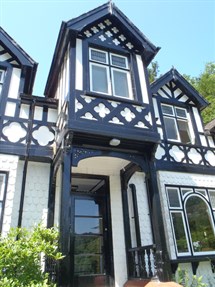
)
(176, 124)
(110, 74)
(2, 72)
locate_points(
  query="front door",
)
(91, 256)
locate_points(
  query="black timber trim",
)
(6, 173)
(182, 83)
(70, 30)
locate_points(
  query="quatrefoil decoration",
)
(127, 114)
(102, 110)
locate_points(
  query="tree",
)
(153, 71)
(20, 256)
(205, 85)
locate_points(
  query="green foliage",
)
(186, 281)
(20, 256)
(205, 85)
(153, 71)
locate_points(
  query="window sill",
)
(193, 258)
(113, 98)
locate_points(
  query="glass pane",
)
(88, 244)
(88, 225)
(88, 264)
(184, 131)
(120, 84)
(179, 231)
(181, 113)
(99, 79)
(167, 110)
(86, 207)
(98, 56)
(200, 224)
(174, 200)
(212, 197)
(171, 129)
(118, 61)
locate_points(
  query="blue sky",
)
(184, 29)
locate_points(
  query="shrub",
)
(21, 253)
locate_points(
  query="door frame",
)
(108, 253)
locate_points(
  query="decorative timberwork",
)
(112, 112)
(184, 154)
(107, 32)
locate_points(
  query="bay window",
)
(109, 74)
(192, 218)
(176, 123)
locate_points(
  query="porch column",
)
(119, 254)
(65, 265)
(162, 257)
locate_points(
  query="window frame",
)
(110, 68)
(174, 116)
(191, 192)
(3, 191)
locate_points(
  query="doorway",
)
(91, 255)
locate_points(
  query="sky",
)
(184, 29)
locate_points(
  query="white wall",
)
(9, 164)
(36, 194)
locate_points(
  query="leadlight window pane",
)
(99, 56)
(171, 128)
(99, 79)
(200, 225)
(181, 113)
(184, 131)
(212, 198)
(119, 61)
(88, 244)
(88, 264)
(173, 196)
(120, 86)
(180, 235)
(202, 191)
(88, 225)
(185, 191)
(168, 110)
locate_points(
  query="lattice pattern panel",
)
(112, 112)
(171, 91)
(186, 154)
(107, 32)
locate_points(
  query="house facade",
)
(123, 167)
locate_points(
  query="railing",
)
(51, 269)
(141, 262)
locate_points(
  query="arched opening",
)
(200, 224)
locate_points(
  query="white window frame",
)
(186, 234)
(110, 68)
(192, 191)
(181, 118)
(178, 192)
(2, 73)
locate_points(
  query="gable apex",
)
(111, 12)
(180, 83)
(11, 47)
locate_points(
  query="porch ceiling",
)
(101, 166)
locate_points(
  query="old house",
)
(124, 168)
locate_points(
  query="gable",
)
(174, 86)
(12, 53)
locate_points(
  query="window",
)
(2, 73)
(192, 216)
(176, 123)
(2, 196)
(109, 74)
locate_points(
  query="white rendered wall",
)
(14, 84)
(111, 167)
(183, 179)
(138, 179)
(9, 164)
(36, 194)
